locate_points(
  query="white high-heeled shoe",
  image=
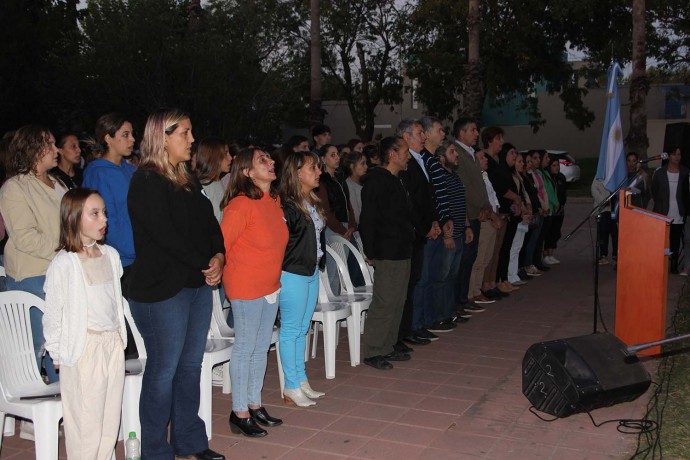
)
(297, 397)
(309, 391)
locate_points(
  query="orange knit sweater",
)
(255, 236)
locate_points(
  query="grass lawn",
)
(670, 404)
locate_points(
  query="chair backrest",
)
(138, 339)
(343, 273)
(360, 247)
(2, 271)
(343, 247)
(18, 369)
(219, 325)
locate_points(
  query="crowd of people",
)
(448, 227)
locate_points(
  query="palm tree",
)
(473, 88)
(637, 140)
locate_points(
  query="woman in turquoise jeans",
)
(300, 273)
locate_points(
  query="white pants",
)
(92, 397)
(515, 256)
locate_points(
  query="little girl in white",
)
(84, 327)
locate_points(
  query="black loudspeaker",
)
(567, 376)
(678, 135)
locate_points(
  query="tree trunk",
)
(365, 132)
(473, 89)
(316, 114)
(637, 140)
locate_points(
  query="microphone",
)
(663, 156)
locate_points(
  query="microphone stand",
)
(597, 211)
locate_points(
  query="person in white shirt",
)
(84, 326)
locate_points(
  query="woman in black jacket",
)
(300, 276)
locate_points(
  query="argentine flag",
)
(611, 168)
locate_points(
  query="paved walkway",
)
(459, 397)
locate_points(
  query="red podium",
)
(643, 242)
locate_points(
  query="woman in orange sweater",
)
(255, 236)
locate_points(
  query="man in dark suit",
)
(421, 194)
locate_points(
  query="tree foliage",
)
(360, 55)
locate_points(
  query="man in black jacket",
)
(387, 232)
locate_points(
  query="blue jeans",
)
(254, 321)
(469, 255)
(34, 285)
(423, 314)
(174, 332)
(447, 280)
(298, 295)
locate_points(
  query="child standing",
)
(84, 326)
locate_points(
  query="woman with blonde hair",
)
(255, 237)
(300, 275)
(179, 250)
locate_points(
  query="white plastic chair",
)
(329, 314)
(343, 247)
(219, 329)
(360, 247)
(134, 374)
(217, 351)
(359, 303)
(20, 378)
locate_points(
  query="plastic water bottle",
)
(133, 447)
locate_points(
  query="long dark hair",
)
(240, 183)
(290, 186)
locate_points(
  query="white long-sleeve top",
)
(65, 320)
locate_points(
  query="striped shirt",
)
(438, 178)
(454, 196)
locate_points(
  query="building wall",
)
(558, 133)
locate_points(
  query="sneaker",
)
(469, 308)
(217, 378)
(522, 274)
(604, 261)
(425, 334)
(519, 282)
(441, 326)
(461, 315)
(533, 271)
(554, 261)
(684, 273)
(481, 298)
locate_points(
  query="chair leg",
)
(46, 426)
(316, 339)
(310, 332)
(9, 425)
(227, 384)
(356, 326)
(205, 395)
(353, 340)
(281, 375)
(329, 343)
(130, 406)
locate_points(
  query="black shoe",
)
(542, 267)
(416, 340)
(496, 293)
(473, 308)
(492, 294)
(441, 326)
(397, 356)
(522, 273)
(261, 416)
(378, 362)
(461, 313)
(246, 426)
(425, 334)
(462, 319)
(401, 347)
(209, 454)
